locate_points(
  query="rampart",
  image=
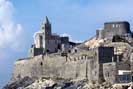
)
(82, 65)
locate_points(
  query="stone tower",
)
(111, 29)
(46, 28)
(43, 35)
(47, 42)
(42, 38)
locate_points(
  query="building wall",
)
(38, 40)
(35, 51)
(73, 67)
(52, 45)
(82, 65)
(109, 72)
(114, 28)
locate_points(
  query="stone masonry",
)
(48, 58)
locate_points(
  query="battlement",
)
(120, 28)
(110, 29)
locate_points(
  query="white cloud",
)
(9, 30)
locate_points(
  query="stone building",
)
(111, 29)
(99, 64)
(47, 42)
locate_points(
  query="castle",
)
(108, 56)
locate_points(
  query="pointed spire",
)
(46, 20)
(45, 23)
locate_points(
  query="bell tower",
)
(46, 28)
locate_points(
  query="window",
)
(107, 74)
(75, 50)
(47, 50)
(117, 25)
(41, 63)
(69, 51)
(113, 25)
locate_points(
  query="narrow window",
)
(75, 50)
(41, 63)
(69, 51)
(108, 74)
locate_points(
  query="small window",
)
(47, 50)
(108, 74)
(117, 25)
(69, 51)
(75, 50)
(41, 63)
(113, 25)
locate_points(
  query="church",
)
(47, 42)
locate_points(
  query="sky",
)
(79, 19)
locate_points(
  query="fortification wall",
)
(114, 28)
(82, 65)
(73, 67)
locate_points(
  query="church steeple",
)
(46, 24)
(47, 20)
(46, 27)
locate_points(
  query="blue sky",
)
(20, 19)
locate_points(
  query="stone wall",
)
(79, 65)
(114, 28)
(110, 71)
(55, 66)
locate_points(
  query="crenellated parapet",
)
(111, 29)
